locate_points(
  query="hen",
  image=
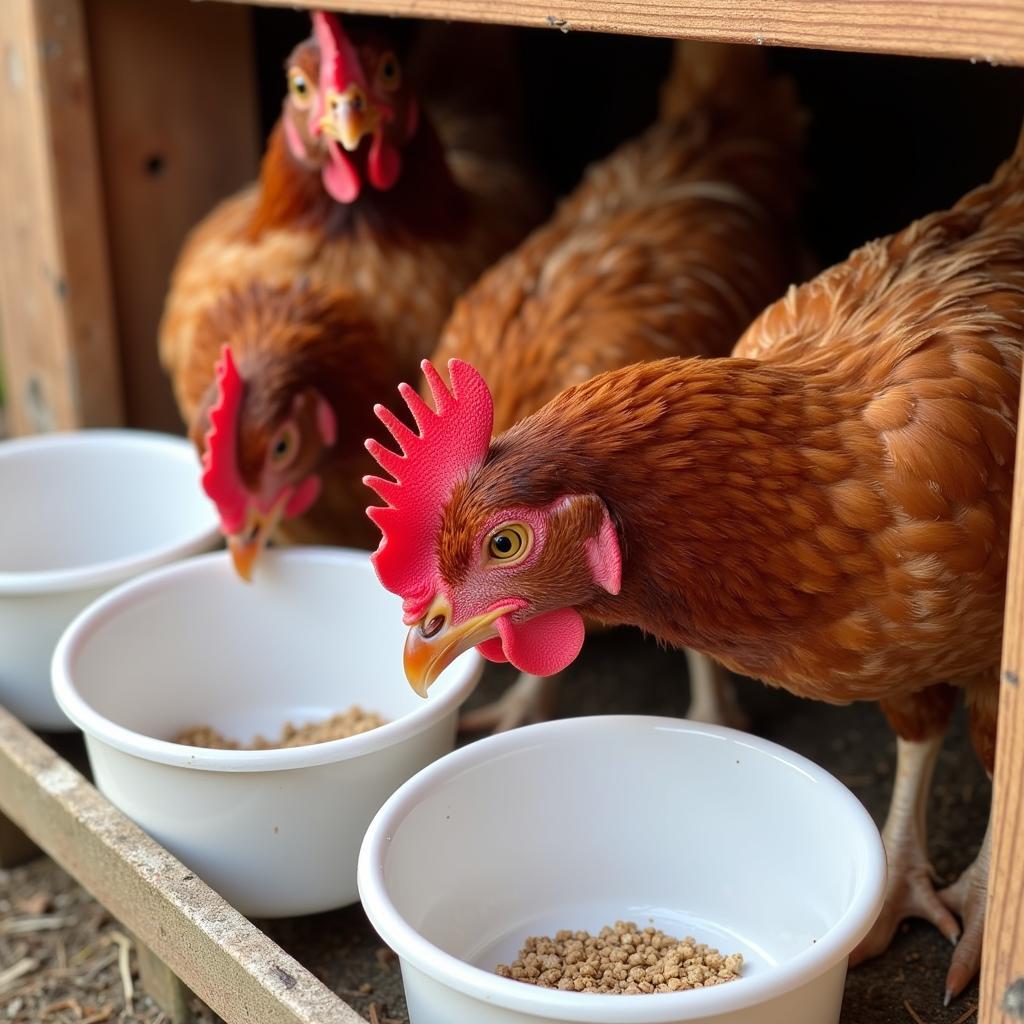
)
(331, 275)
(669, 246)
(827, 511)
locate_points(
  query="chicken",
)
(669, 246)
(334, 272)
(828, 510)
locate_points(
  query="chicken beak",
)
(349, 117)
(245, 546)
(434, 642)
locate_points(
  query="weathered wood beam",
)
(225, 959)
(1002, 969)
(981, 30)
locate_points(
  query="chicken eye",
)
(389, 77)
(283, 449)
(511, 541)
(299, 87)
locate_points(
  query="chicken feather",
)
(827, 510)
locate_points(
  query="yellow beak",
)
(245, 546)
(349, 117)
(433, 643)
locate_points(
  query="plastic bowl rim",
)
(830, 949)
(446, 695)
(111, 571)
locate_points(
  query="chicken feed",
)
(620, 960)
(340, 726)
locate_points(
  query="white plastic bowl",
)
(79, 513)
(578, 823)
(276, 832)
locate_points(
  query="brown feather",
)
(668, 247)
(829, 509)
(346, 299)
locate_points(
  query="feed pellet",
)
(621, 960)
(338, 727)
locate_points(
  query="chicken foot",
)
(966, 897)
(532, 699)
(910, 890)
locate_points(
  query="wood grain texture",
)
(176, 117)
(162, 985)
(1003, 963)
(984, 30)
(226, 960)
(56, 316)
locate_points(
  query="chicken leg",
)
(712, 693)
(909, 890)
(532, 699)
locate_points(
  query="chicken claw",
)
(910, 890)
(966, 897)
(528, 700)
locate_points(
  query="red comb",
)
(453, 439)
(339, 62)
(221, 479)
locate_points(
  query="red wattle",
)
(383, 164)
(491, 650)
(339, 176)
(542, 646)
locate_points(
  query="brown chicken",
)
(828, 511)
(329, 277)
(670, 246)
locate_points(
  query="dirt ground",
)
(75, 970)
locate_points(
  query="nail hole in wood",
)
(154, 165)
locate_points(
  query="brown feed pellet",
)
(340, 726)
(621, 960)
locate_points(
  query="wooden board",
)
(56, 320)
(1002, 976)
(983, 30)
(225, 959)
(177, 120)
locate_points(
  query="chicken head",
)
(281, 478)
(364, 110)
(472, 569)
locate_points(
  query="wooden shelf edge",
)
(1002, 969)
(226, 960)
(990, 31)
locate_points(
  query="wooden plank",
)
(225, 959)
(982, 30)
(1002, 969)
(177, 121)
(56, 318)
(162, 985)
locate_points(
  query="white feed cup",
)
(276, 832)
(80, 513)
(578, 823)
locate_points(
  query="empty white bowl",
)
(575, 824)
(79, 513)
(276, 832)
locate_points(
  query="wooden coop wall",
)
(121, 124)
(123, 121)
